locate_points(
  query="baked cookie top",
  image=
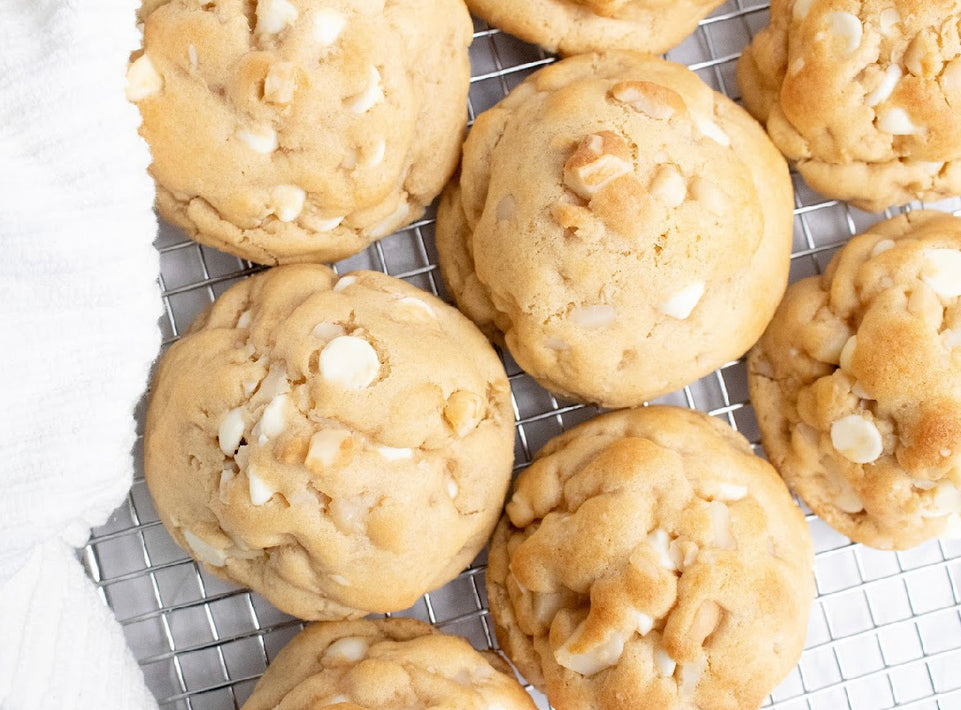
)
(648, 559)
(621, 226)
(580, 26)
(384, 665)
(294, 130)
(864, 97)
(857, 384)
(299, 442)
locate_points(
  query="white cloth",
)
(78, 326)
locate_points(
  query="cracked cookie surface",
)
(579, 26)
(649, 559)
(291, 130)
(384, 665)
(298, 441)
(620, 226)
(863, 97)
(857, 384)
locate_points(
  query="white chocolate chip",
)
(713, 131)
(730, 492)
(205, 552)
(895, 120)
(801, 9)
(951, 339)
(721, 525)
(796, 66)
(391, 222)
(416, 309)
(192, 55)
(848, 500)
(280, 83)
(951, 76)
(892, 75)
(946, 500)
(226, 476)
(349, 649)
(394, 454)
(923, 484)
(942, 271)
(663, 663)
(683, 553)
(587, 180)
(882, 246)
(557, 344)
(327, 331)
(690, 675)
(860, 392)
(660, 541)
(376, 156)
(593, 317)
(350, 362)
(464, 411)
(340, 579)
(142, 79)
(272, 421)
(371, 95)
(644, 623)
(631, 94)
(344, 281)
(244, 320)
(287, 202)
(710, 196)
(682, 303)
(275, 382)
(327, 224)
(274, 16)
(328, 24)
(326, 446)
(336, 700)
(260, 491)
(848, 27)
(847, 352)
(452, 488)
(857, 439)
(231, 431)
(261, 140)
(602, 656)
(669, 186)
(888, 19)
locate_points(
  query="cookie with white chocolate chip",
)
(384, 665)
(648, 559)
(298, 441)
(862, 97)
(293, 130)
(620, 226)
(857, 384)
(579, 26)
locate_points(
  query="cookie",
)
(340, 446)
(383, 665)
(580, 26)
(862, 97)
(648, 559)
(294, 130)
(620, 226)
(857, 384)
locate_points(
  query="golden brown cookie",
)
(297, 130)
(864, 97)
(648, 559)
(620, 226)
(385, 665)
(857, 384)
(299, 442)
(579, 26)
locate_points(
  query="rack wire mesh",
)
(885, 630)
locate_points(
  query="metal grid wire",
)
(885, 629)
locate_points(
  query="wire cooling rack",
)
(885, 629)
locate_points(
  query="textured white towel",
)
(78, 327)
